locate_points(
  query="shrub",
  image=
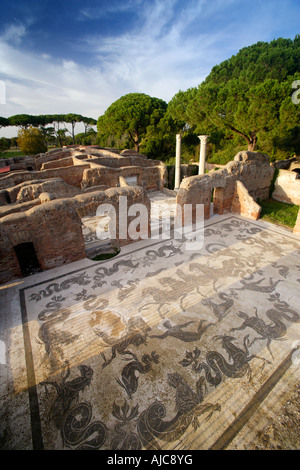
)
(32, 141)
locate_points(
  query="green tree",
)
(21, 120)
(4, 122)
(73, 119)
(4, 144)
(248, 95)
(32, 141)
(86, 138)
(130, 116)
(57, 120)
(88, 123)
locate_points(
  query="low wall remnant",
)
(252, 169)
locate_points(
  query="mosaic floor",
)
(158, 348)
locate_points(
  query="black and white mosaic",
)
(161, 348)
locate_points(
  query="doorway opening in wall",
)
(7, 197)
(95, 234)
(131, 180)
(27, 259)
(217, 199)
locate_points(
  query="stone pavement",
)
(159, 347)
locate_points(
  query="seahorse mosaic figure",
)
(189, 407)
(215, 364)
(269, 331)
(67, 391)
(72, 418)
(129, 380)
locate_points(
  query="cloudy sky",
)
(75, 56)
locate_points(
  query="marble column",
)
(203, 139)
(177, 161)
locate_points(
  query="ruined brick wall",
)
(66, 161)
(199, 190)
(252, 169)
(55, 187)
(243, 204)
(72, 175)
(297, 224)
(51, 155)
(255, 172)
(55, 228)
(148, 177)
(87, 204)
(287, 187)
(14, 208)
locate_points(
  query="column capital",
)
(203, 138)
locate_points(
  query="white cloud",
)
(166, 50)
(108, 9)
(14, 33)
(152, 59)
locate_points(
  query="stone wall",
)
(55, 228)
(72, 175)
(252, 169)
(147, 177)
(18, 163)
(14, 208)
(51, 155)
(287, 187)
(56, 188)
(243, 204)
(297, 225)
(66, 161)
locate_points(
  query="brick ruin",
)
(234, 188)
(42, 207)
(287, 184)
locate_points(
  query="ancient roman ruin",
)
(160, 347)
(44, 198)
(44, 204)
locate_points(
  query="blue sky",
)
(76, 56)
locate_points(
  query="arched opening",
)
(27, 258)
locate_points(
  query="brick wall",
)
(297, 224)
(287, 187)
(55, 228)
(147, 177)
(252, 169)
(71, 175)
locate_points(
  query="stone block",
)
(243, 204)
(287, 187)
(297, 225)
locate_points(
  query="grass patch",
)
(11, 154)
(279, 213)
